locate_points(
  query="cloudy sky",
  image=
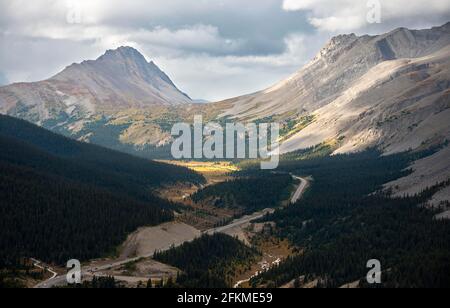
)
(212, 49)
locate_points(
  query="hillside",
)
(340, 224)
(120, 79)
(211, 261)
(109, 164)
(362, 90)
(390, 92)
(62, 199)
(88, 101)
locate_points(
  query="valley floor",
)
(134, 265)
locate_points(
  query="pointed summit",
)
(124, 60)
(118, 80)
(121, 79)
(337, 44)
(124, 52)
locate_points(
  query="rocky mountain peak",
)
(342, 39)
(124, 53)
(337, 45)
(120, 79)
(121, 66)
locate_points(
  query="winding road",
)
(37, 263)
(295, 197)
(300, 190)
(96, 270)
(240, 221)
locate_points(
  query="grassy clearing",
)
(220, 167)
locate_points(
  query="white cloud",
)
(346, 15)
(230, 76)
(192, 38)
(204, 38)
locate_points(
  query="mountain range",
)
(388, 91)
(367, 91)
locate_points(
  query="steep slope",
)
(397, 105)
(61, 199)
(426, 173)
(106, 102)
(338, 65)
(120, 79)
(390, 91)
(55, 218)
(89, 163)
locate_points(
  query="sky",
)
(211, 49)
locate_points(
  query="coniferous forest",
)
(211, 261)
(340, 225)
(250, 192)
(61, 199)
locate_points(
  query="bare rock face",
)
(396, 106)
(120, 79)
(390, 91)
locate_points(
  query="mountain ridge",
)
(344, 77)
(343, 59)
(119, 79)
(390, 92)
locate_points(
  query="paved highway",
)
(300, 190)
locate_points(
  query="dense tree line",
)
(341, 225)
(62, 199)
(209, 262)
(256, 192)
(97, 161)
(96, 283)
(55, 220)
